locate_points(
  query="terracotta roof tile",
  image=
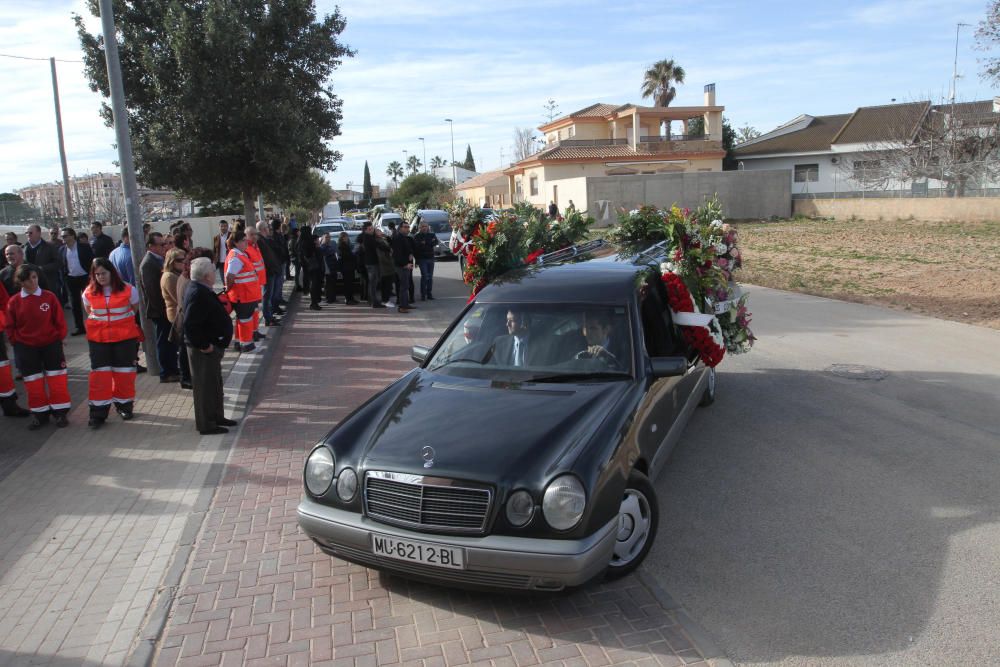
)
(562, 152)
(481, 180)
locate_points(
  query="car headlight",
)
(347, 484)
(520, 507)
(319, 471)
(564, 502)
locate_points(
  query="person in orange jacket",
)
(8, 393)
(258, 265)
(36, 326)
(112, 335)
(243, 290)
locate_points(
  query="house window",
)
(865, 170)
(533, 184)
(518, 187)
(572, 131)
(806, 173)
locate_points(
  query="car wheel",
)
(709, 396)
(638, 517)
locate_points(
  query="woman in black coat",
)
(348, 266)
(312, 265)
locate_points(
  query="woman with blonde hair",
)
(173, 263)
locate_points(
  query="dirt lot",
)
(943, 269)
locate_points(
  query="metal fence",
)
(874, 179)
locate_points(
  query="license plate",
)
(418, 552)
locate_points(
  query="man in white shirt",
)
(75, 260)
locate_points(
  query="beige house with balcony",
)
(616, 140)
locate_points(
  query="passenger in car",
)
(517, 347)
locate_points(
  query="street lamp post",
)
(424, 143)
(454, 169)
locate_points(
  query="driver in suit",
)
(599, 341)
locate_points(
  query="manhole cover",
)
(856, 372)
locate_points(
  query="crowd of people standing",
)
(197, 299)
(92, 277)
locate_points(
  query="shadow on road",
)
(810, 515)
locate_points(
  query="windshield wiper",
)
(576, 377)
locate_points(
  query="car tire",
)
(709, 396)
(638, 519)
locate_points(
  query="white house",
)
(838, 154)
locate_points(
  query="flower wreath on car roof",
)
(491, 246)
(704, 300)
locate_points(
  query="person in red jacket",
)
(8, 394)
(112, 334)
(36, 326)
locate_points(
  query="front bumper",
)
(491, 561)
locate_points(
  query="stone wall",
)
(972, 209)
(744, 194)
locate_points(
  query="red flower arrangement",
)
(698, 337)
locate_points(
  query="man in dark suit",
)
(208, 331)
(518, 348)
(43, 255)
(14, 254)
(602, 341)
(156, 308)
(219, 249)
(75, 259)
(101, 243)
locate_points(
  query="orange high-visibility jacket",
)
(111, 317)
(247, 287)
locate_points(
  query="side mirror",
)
(419, 353)
(665, 367)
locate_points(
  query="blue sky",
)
(491, 67)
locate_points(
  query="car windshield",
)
(538, 343)
(439, 226)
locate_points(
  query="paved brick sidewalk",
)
(257, 592)
(91, 520)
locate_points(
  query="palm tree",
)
(656, 82)
(413, 164)
(437, 162)
(394, 171)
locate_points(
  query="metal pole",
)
(260, 207)
(67, 202)
(421, 140)
(454, 169)
(132, 214)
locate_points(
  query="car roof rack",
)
(571, 251)
(657, 251)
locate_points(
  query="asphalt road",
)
(811, 518)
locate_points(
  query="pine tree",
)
(225, 98)
(469, 163)
(367, 191)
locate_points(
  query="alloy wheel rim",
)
(633, 528)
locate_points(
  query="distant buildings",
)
(97, 197)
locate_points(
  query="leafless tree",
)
(84, 203)
(957, 145)
(111, 207)
(524, 143)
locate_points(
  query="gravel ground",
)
(942, 269)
